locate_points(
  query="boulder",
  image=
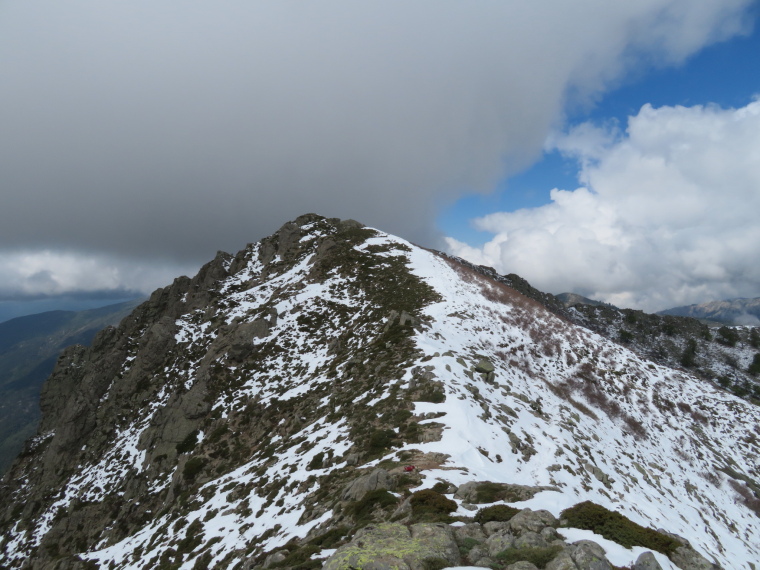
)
(480, 492)
(472, 530)
(646, 561)
(588, 555)
(522, 565)
(498, 542)
(393, 546)
(687, 558)
(496, 527)
(530, 540)
(377, 479)
(563, 561)
(528, 520)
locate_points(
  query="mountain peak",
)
(324, 377)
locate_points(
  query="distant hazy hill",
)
(733, 311)
(29, 348)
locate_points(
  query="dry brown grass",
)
(748, 498)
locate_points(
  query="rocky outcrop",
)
(479, 492)
(394, 546)
(377, 479)
(646, 561)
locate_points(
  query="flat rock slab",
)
(392, 546)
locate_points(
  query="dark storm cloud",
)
(168, 129)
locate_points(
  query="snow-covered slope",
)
(227, 416)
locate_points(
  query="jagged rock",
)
(485, 562)
(484, 366)
(496, 527)
(646, 561)
(275, 557)
(530, 540)
(480, 492)
(394, 546)
(588, 555)
(550, 534)
(528, 520)
(377, 479)
(687, 558)
(498, 542)
(472, 530)
(522, 565)
(353, 458)
(563, 561)
(439, 535)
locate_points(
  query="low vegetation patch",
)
(193, 466)
(498, 513)
(429, 506)
(363, 509)
(614, 526)
(540, 556)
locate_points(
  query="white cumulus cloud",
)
(47, 273)
(668, 214)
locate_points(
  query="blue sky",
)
(725, 74)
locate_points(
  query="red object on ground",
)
(409, 468)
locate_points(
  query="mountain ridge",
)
(29, 348)
(742, 311)
(228, 418)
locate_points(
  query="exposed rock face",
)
(646, 561)
(377, 479)
(394, 546)
(478, 492)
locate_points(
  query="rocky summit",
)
(333, 396)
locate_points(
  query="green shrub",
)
(189, 443)
(468, 544)
(300, 559)
(316, 462)
(488, 492)
(362, 509)
(689, 356)
(435, 563)
(380, 440)
(540, 556)
(440, 487)
(193, 466)
(429, 506)
(331, 538)
(614, 526)
(727, 336)
(433, 394)
(754, 368)
(499, 513)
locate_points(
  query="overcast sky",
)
(138, 138)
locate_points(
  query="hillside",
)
(333, 386)
(29, 348)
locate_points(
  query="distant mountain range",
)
(732, 312)
(29, 348)
(571, 299)
(729, 312)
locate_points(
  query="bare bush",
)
(748, 498)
